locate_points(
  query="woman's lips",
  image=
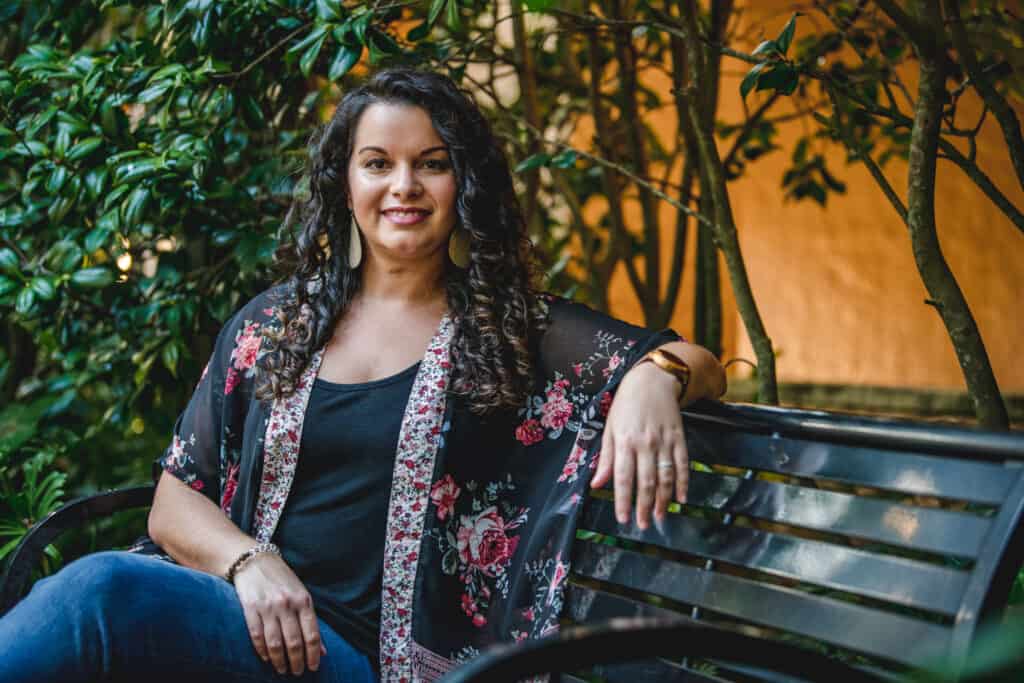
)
(406, 217)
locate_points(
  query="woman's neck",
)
(415, 284)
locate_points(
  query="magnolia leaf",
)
(328, 10)
(169, 356)
(785, 38)
(25, 301)
(565, 159)
(9, 261)
(782, 78)
(93, 278)
(533, 161)
(766, 48)
(346, 58)
(453, 17)
(360, 25)
(154, 92)
(308, 58)
(44, 287)
(436, 7)
(750, 80)
(309, 40)
(84, 148)
(418, 32)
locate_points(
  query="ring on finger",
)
(666, 465)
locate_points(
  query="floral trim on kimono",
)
(418, 442)
(281, 452)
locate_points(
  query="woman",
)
(448, 419)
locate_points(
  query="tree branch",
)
(1001, 109)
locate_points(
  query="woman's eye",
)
(437, 164)
(376, 163)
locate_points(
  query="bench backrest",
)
(886, 541)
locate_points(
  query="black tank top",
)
(331, 532)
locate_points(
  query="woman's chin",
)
(410, 251)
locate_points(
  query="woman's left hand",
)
(644, 445)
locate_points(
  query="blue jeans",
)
(122, 616)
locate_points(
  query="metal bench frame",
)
(817, 525)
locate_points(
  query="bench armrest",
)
(625, 639)
(28, 553)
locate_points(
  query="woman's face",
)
(401, 183)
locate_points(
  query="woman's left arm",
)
(643, 444)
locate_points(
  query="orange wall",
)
(837, 287)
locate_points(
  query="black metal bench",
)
(813, 546)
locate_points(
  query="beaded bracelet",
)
(248, 555)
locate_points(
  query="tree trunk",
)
(725, 227)
(942, 286)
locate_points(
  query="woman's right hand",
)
(279, 613)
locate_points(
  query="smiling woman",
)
(387, 453)
(401, 185)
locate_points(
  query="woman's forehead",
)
(396, 128)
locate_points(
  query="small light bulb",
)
(124, 261)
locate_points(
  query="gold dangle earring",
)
(355, 245)
(458, 247)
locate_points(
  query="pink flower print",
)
(528, 614)
(176, 458)
(561, 571)
(468, 605)
(231, 381)
(247, 346)
(577, 368)
(572, 464)
(197, 484)
(556, 411)
(479, 620)
(230, 486)
(443, 495)
(483, 542)
(529, 433)
(606, 403)
(614, 362)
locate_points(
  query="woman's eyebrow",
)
(380, 150)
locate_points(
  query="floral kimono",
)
(482, 512)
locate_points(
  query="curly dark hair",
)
(499, 316)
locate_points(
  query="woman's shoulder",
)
(570, 315)
(264, 307)
(258, 312)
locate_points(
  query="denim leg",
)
(122, 616)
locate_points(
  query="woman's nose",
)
(404, 181)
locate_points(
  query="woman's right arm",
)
(190, 526)
(278, 609)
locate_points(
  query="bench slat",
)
(894, 579)
(891, 636)
(585, 605)
(944, 532)
(926, 475)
